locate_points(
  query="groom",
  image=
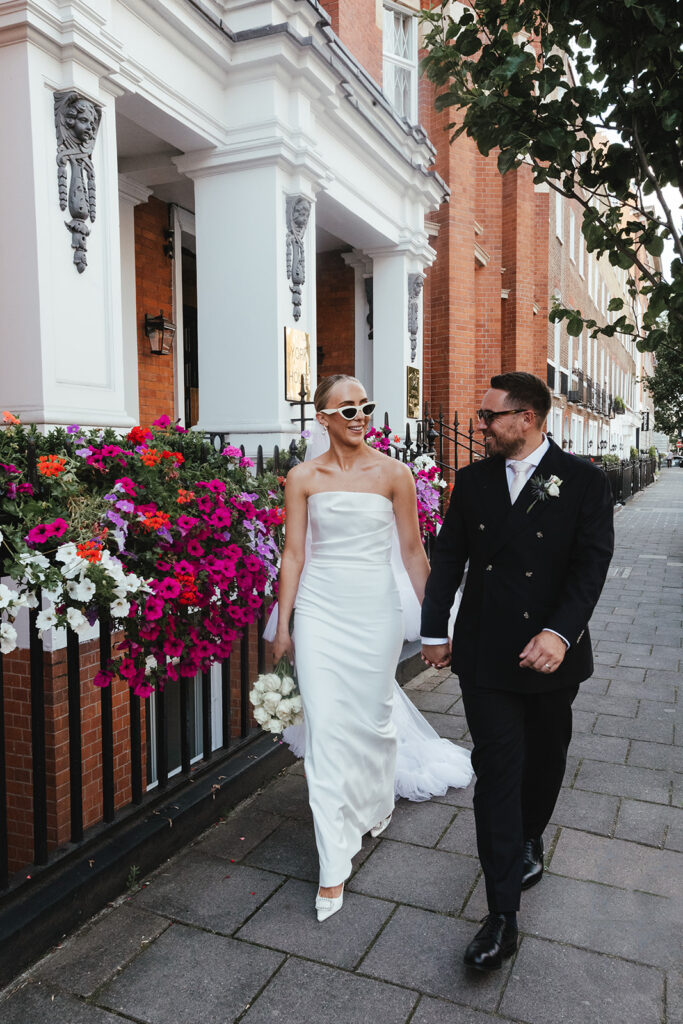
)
(536, 527)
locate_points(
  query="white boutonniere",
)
(544, 488)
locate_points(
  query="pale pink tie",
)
(519, 470)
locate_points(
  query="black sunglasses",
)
(488, 415)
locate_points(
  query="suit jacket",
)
(529, 569)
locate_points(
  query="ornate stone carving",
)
(298, 210)
(77, 120)
(415, 283)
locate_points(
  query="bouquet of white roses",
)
(276, 699)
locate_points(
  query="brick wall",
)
(154, 293)
(355, 22)
(335, 299)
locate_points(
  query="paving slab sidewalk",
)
(226, 932)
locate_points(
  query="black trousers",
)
(519, 757)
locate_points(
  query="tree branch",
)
(678, 243)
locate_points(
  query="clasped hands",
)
(544, 653)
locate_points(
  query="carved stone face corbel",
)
(77, 120)
(297, 212)
(415, 284)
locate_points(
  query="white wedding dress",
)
(362, 739)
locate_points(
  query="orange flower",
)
(184, 496)
(281, 480)
(8, 417)
(155, 520)
(51, 465)
(91, 551)
(397, 437)
(150, 457)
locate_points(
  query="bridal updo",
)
(322, 392)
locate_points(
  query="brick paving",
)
(226, 931)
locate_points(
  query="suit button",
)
(539, 534)
(489, 568)
(481, 526)
(526, 615)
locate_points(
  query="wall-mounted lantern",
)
(160, 332)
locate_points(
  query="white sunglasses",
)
(349, 412)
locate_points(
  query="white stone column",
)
(244, 299)
(392, 355)
(61, 342)
(363, 354)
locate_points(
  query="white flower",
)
(7, 596)
(274, 725)
(284, 710)
(150, 663)
(46, 619)
(553, 487)
(255, 697)
(271, 701)
(29, 599)
(119, 608)
(442, 483)
(271, 682)
(424, 462)
(66, 552)
(286, 686)
(85, 590)
(261, 715)
(8, 638)
(54, 593)
(296, 705)
(259, 685)
(77, 621)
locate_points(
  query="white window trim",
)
(409, 65)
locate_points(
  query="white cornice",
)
(132, 191)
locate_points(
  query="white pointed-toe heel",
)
(377, 829)
(326, 906)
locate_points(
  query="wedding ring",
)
(547, 665)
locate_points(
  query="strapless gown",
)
(348, 634)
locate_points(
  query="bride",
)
(349, 630)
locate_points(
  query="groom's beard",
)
(506, 447)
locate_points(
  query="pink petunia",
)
(217, 486)
(103, 678)
(39, 534)
(221, 518)
(163, 422)
(204, 503)
(173, 648)
(59, 526)
(168, 588)
(154, 608)
(195, 549)
(185, 523)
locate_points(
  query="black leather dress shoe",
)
(532, 866)
(492, 944)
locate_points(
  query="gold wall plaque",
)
(413, 392)
(297, 361)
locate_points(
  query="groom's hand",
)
(436, 655)
(544, 653)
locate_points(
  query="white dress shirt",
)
(531, 462)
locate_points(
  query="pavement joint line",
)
(373, 942)
(286, 958)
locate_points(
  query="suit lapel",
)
(520, 515)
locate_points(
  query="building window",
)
(581, 251)
(399, 67)
(559, 215)
(572, 228)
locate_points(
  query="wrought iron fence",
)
(629, 477)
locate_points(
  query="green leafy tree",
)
(666, 387)
(591, 95)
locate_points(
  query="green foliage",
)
(634, 454)
(666, 387)
(606, 131)
(618, 404)
(652, 452)
(610, 460)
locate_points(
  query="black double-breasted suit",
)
(538, 564)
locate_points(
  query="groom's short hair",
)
(524, 389)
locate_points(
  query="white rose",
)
(553, 491)
(283, 710)
(8, 638)
(256, 698)
(286, 686)
(46, 619)
(259, 685)
(296, 705)
(119, 608)
(274, 725)
(261, 716)
(271, 701)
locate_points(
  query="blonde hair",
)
(322, 392)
